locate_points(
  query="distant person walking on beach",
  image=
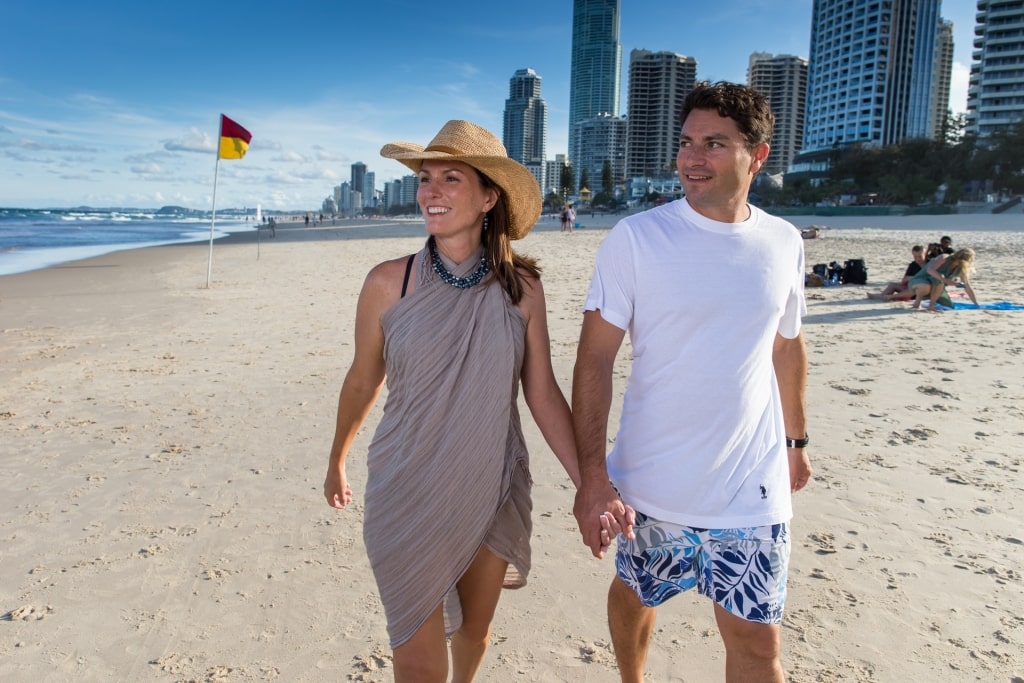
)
(455, 329)
(570, 218)
(712, 438)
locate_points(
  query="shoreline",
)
(164, 447)
(966, 223)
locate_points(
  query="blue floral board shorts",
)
(742, 570)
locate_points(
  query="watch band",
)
(798, 443)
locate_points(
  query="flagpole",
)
(213, 216)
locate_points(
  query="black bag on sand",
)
(855, 272)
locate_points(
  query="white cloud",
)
(958, 88)
(193, 141)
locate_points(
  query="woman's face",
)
(453, 198)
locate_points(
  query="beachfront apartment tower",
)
(596, 63)
(358, 181)
(526, 123)
(658, 84)
(995, 89)
(601, 138)
(941, 81)
(783, 80)
(871, 72)
(553, 173)
(369, 190)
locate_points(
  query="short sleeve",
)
(613, 285)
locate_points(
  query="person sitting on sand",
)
(900, 291)
(943, 270)
(946, 243)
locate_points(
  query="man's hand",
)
(601, 515)
(799, 469)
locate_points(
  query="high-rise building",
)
(596, 62)
(658, 84)
(995, 91)
(601, 138)
(783, 80)
(553, 174)
(526, 123)
(358, 178)
(345, 199)
(392, 194)
(941, 80)
(410, 183)
(369, 189)
(871, 70)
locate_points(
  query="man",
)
(946, 242)
(712, 437)
(900, 291)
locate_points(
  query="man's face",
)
(715, 165)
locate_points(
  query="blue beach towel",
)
(994, 306)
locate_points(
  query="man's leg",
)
(631, 624)
(751, 649)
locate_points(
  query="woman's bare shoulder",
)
(385, 279)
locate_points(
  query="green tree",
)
(565, 181)
(607, 182)
(554, 201)
(584, 180)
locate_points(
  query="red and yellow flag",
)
(234, 140)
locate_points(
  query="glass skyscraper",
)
(526, 123)
(596, 62)
(871, 72)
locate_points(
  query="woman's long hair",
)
(503, 261)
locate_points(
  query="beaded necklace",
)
(454, 280)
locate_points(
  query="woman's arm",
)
(365, 377)
(543, 396)
(965, 279)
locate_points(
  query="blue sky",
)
(113, 103)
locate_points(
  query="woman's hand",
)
(336, 489)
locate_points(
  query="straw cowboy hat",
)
(469, 143)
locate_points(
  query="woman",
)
(941, 271)
(454, 328)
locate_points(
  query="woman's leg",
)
(920, 291)
(424, 657)
(933, 296)
(479, 590)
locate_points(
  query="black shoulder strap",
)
(408, 269)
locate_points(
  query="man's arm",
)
(597, 504)
(789, 357)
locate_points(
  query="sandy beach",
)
(163, 446)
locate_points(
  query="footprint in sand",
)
(910, 436)
(28, 613)
(935, 391)
(855, 391)
(377, 660)
(824, 542)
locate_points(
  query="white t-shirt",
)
(701, 440)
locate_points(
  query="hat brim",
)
(522, 193)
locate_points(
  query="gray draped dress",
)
(448, 469)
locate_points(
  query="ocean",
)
(38, 238)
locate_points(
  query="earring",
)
(485, 222)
